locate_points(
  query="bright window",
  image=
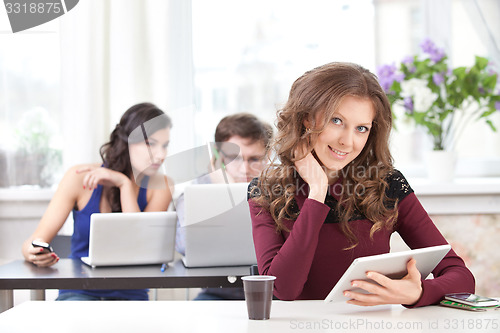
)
(30, 148)
(247, 54)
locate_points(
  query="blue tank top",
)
(80, 243)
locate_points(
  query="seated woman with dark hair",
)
(126, 181)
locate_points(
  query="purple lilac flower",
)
(408, 61)
(408, 104)
(428, 45)
(481, 90)
(497, 105)
(438, 78)
(435, 53)
(387, 75)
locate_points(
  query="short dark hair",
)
(245, 125)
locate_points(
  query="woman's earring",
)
(308, 130)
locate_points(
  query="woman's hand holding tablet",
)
(383, 270)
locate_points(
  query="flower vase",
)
(441, 166)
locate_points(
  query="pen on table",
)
(163, 267)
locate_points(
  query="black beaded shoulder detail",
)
(397, 189)
(253, 190)
(334, 216)
(397, 186)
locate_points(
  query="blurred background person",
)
(242, 152)
(127, 180)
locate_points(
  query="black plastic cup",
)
(258, 295)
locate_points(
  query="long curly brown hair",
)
(321, 91)
(115, 153)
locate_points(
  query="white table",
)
(231, 316)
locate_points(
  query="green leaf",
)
(396, 87)
(490, 82)
(419, 117)
(481, 62)
(491, 125)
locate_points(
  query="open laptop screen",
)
(131, 238)
(218, 228)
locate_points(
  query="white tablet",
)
(391, 264)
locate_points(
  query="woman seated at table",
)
(126, 181)
(335, 196)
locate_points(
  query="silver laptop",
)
(218, 228)
(119, 239)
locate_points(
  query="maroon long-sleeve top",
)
(309, 259)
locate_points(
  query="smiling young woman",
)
(332, 195)
(342, 139)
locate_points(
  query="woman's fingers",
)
(364, 299)
(87, 182)
(102, 176)
(370, 287)
(45, 259)
(310, 169)
(379, 278)
(413, 272)
(386, 290)
(90, 181)
(35, 250)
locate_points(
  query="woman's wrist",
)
(125, 183)
(318, 192)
